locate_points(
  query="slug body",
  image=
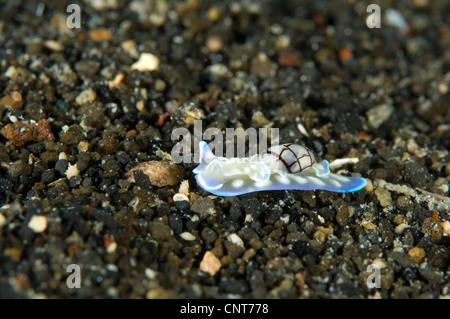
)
(281, 167)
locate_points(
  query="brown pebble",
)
(88, 67)
(234, 250)
(379, 173)
(99, 35)
(73, 249)
(364, 136)
(262, 66)
(399, 219)
(417, 254)
(322, 233)
(369, 187)
(14, 253)
(22, 132)
(384, 197)
(403, 201)
(368, 225)
(289, 57)
(249, 254)
(213, 14)
(344, 214)
(14, 100)
(447, 170)
(160, 173)
(210, 263)
(259, 120)
(433, 228)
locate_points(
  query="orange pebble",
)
(99, 35)
(318, 20)
(107, 240)
(345, 54)
(364, 136)
(435, 215)
(162, 119)
(444, 31)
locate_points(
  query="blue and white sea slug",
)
(281, 167)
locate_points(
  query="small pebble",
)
(289, 57)
(184, 187)
(433, 228)
(72, 170)
(83, 146)
(160, 85)
(140, 105)
(146, 62)
(235, 239)
(187, 236)
(378, 115)
(38, 223)
(262, 66)
(63, 156)
(400, 228)
(54, 45)
(22, 132)
(2, 221)
(403, 201)
(71, 134)
(116, 81)
(345, 54)
(446, 228)
(160, 173)
(412, 146)
(204, 206)
(259, 120)
(213, 13)
(111, 247)
(88, 67)
(214, 43)
(13, 100)
(86, 96)
(417, 254)
(218, 70)
(384, 196)
(178, 197)
(189, 112)
(368, 225)
(150, 273)
(127, 45)
(181, 201)
(322, 233)
(395, 19)
(99, 35)
(369, 186)
(210, 263)
(11, 72)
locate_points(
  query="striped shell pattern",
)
(290, 158)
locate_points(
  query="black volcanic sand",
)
(380, 95)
